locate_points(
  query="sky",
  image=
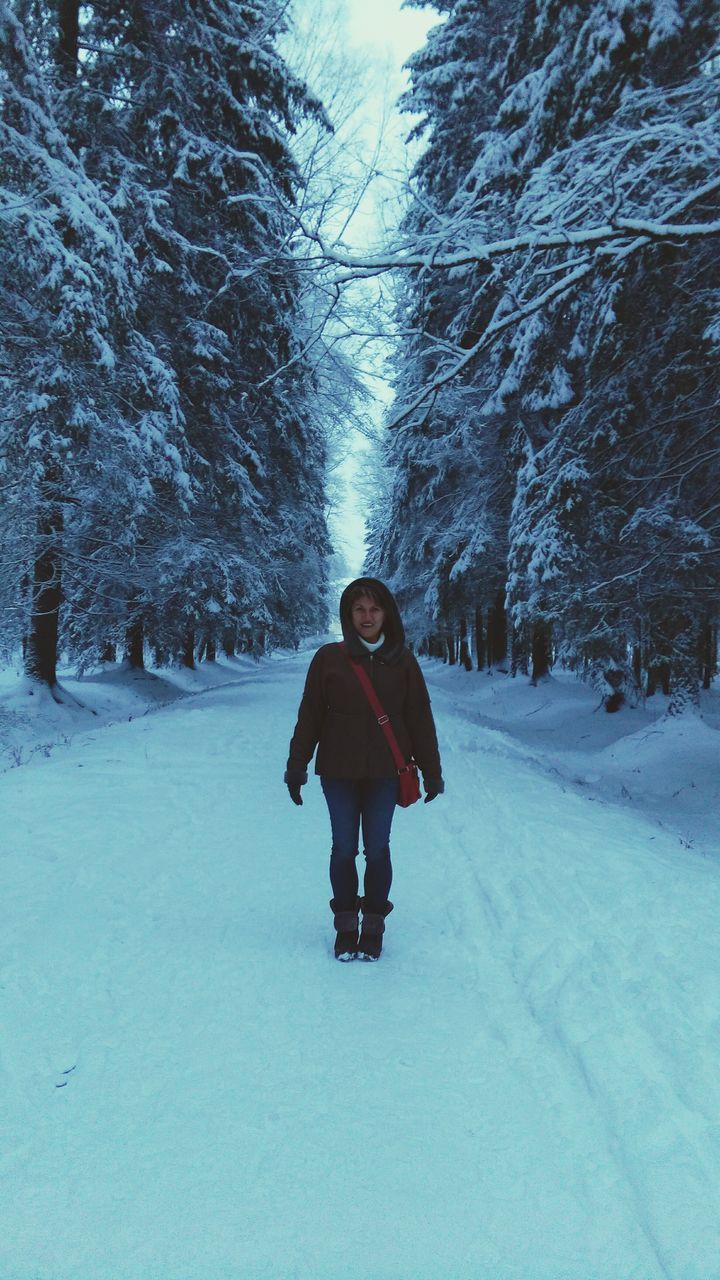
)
(351, 53)
(387, 29)
(385, 34)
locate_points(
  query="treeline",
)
(554, 450)
(162, 452)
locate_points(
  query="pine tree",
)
(450, 506)
(613, 538)
(192, 111)
(71, 357)
(560, 447)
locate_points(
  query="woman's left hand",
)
(433, 787)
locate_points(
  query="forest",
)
(175, 288)
(163, 444)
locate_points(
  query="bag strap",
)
(382, 719)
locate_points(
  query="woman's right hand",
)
(294, 780)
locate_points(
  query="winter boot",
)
(373, 928)
(346, 937)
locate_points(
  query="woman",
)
(357, 771)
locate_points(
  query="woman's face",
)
(367, 618)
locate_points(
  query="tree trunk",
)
(109, 653)
(658, 675)
(541, 654)
(210, 649)
(188, 653)
(135, 646)
(637, 666)
(41, 645)
(465, 657)
(497, 631)
(519, 659)
(479, 640)
(68, 38)
(708, 653)
(41, 649)
(228, 642)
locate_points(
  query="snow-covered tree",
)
(192, 112)
(163, 456)
(90, 419)
(561, 308)
(450, 504)
(614, 538)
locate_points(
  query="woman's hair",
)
(364, 589)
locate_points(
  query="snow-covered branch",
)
(613, 233)
(670, 230)
(493, 330)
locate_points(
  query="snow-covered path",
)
(527, 1087)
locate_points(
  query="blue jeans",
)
(371, 802)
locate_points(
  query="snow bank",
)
(669, 768)
(33, 723)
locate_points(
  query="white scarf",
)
(371, 647)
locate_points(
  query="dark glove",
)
(294, 780)
(433, 787)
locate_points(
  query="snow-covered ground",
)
(637, 757)
(526, 1087)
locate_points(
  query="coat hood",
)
(393, 628)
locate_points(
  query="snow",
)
(526, 1087)
(638, 757)
(666, 22)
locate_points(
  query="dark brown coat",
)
(336, 716)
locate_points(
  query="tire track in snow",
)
(563, 1071)
(552, 976)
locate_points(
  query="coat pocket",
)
(343, 745)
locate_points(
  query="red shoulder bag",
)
(407, 770)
